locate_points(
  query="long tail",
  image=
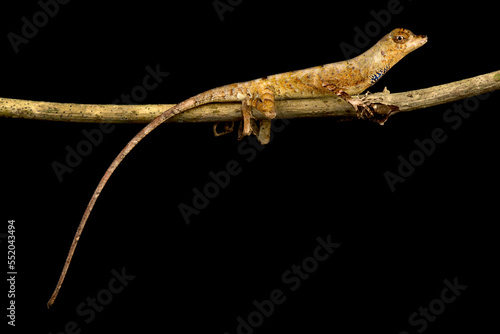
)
(177, 109)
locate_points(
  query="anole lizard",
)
(344, 78)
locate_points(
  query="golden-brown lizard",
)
(344, 78)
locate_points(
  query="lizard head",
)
(388, 51)
(400, 42)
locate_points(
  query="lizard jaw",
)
(418, 41)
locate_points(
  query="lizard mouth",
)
(422, 38)
(417, 42)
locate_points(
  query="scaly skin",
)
(343, 78)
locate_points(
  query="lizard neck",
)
(366, 69)
(378, 61)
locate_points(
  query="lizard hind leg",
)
(228, 128)
(266, 105)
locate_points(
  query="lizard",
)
(343, 78)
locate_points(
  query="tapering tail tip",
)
(52, 299)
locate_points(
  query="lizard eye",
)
(400, 38)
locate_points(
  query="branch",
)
(384, 104)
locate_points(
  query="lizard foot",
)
(228, 128)
(375, 112)
(249, 126)
(261, 131)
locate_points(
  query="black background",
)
(316, 178)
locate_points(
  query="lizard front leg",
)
(375, 112)
(265, 103)
(365, 111)
(362, 109)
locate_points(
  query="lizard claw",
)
(228, 128)
(363, 110)
(248, 128)
(375, 112)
